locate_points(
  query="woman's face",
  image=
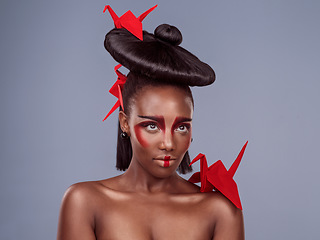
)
(160, 128)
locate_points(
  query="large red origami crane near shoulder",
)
(218, 177)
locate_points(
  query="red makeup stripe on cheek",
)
(142, 141)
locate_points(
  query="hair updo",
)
(155, 61)
(169, 34)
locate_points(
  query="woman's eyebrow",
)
(158, 119)
(179, 120)
(154, 118)
(182, 119)
(161, 118)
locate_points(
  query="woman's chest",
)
(153, 219)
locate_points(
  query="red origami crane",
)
(133, 25)
(129, 21)
(218, 177)
(116, 90)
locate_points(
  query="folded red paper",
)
(134, 25)
(129, 21)
(116, 90)
(218, 177)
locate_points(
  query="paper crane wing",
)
(235, 165)
(143, 15)
(219, 178)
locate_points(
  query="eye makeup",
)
(138, 131)
(159, 122)
(155, 120)
(158, 119)
(180, 120)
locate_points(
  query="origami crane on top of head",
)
(218, 177)
(128, 21)
(134, 25)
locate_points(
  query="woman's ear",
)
(124, 125)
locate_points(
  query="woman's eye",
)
(182, 128)
(152, 127)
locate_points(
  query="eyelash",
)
(186, 125)
(147, 124)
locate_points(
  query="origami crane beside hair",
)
(128, 21)
(116, 90)
(133, 25)
(218, 177)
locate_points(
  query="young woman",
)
(150, 200)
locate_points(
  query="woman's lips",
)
(165, 161)
(163, 158)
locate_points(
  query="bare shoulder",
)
(77, 198)
(79, 189)
(222, 206)
(187, 187)
(77, 212)
(227, 218)
(81, 192)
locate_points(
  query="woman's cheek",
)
(187, 144)
(138, 131)
(188, 141)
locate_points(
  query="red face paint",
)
(166, 163)
(178, 121)
(159, 121)
(138, 130)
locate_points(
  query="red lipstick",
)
(166, 161)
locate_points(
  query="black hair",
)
(155, 61)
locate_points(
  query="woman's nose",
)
(168, 142)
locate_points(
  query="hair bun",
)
(169, 34)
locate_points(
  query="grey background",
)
(55, 76)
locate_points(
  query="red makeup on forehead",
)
(177, 121)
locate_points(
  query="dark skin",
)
(150, 200)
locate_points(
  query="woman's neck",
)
(139, 180)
